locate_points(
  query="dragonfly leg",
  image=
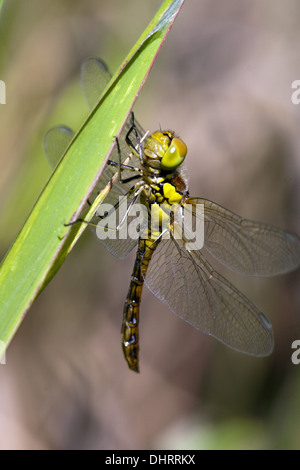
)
(121, 167)
(130, 143)
(112, 210)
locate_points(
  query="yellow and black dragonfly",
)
(168, 259)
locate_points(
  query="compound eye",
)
(175, 154)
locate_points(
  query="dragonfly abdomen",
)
(131, 313)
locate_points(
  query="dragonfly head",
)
(162, 150)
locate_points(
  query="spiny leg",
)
(137, 137)
(112, 210)
(121, 166)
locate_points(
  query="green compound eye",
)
(175, 154)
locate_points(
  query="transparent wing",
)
(55, 142)
(245, 246)
(94, 78)
(192, 289)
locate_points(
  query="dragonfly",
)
(148, 169)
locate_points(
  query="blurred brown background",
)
(223, 82)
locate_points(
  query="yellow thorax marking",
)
(171, 194)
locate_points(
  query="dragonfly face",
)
(176, 272)
(162, 150)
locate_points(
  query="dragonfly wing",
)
(119, 248)
(93, 82)
(245, 246)
(192, 289)
(55, 142)
(94, 76)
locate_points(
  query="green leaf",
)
(44, 241)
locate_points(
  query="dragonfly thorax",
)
(164, 151)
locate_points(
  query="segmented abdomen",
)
(130, 325)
